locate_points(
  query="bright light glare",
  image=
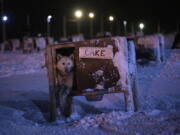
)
(111, 18)
(5, 18)
(125, 22)
(91, 15)
(49, 17)
(78, 13)
(141, 26)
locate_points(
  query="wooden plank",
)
(96, 52)
(58, 46)
(49, 64)
(96, 93)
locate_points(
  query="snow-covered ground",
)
(24, 101)
(18, 63)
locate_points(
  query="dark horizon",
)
(149, 12)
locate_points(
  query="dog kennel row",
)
(27, 44)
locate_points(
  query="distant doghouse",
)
(150, 47)
(28, 44)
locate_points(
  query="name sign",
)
(96, 52)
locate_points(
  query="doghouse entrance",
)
(68, 51)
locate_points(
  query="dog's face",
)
(65, 64)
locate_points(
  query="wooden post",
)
(133, 73)
(50, 67)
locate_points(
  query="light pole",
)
(101, 24)
(78, 14)
(132, 28)
(4, 20)
(64, 26)
(111, 19)
(28, 24)
(125, 27)
(49, 17)
(141, 26)
(91, 16)
(177, 24)
(158, 27)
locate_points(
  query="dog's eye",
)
(63, 63)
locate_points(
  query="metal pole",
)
(48, 29)
(78, 27)
(28, 25)
(177, 24)
(132, 28)
(64, 27)
(125, 29)
(111, 27)
(2, 7)
(118, 27)
(158, 27)
(4, 30)
(3, 25)
(102, 24)
(91, 28)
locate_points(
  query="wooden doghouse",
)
(102, 66)
(16, 44)
(28, 44)
(40, 43)
(151, 47)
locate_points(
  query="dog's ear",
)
(59, 56)
(71, 56)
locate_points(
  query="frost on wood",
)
(120, 60)
(161, 46)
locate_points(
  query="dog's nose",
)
(69, 69)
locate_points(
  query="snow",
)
(18, 63)
(40, 42)
(24, 102)
(121, 64)
(96, 76)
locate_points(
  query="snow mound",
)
(168, 69)
(18, 63)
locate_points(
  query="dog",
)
(65, 75)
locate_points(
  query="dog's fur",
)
(65, 75)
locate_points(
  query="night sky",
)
(149, 12)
